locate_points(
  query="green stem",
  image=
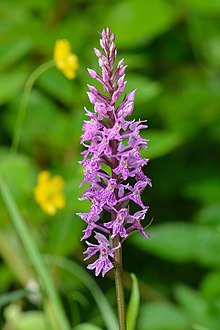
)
(119, 285)
(24, 101)
(14, 259)
(35, 256)
(101, 301)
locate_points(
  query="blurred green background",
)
(172, 49)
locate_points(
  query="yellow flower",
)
(48, 192)
(65, 60)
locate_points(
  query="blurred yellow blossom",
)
(48, 192)
(65, 60)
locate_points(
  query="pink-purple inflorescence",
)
(111, 158)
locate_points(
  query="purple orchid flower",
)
(111, 157)
(103, 263)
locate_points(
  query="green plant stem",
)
(119, 286)
(24, 101)
(12, 257)
(34, 256)
(101, 301)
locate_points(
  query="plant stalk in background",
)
(35, 257)
(112, 168)
(24, 101)
(66, 61)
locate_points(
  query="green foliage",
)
(160, 143)
(101, 301)
(34, 256)
(182, 242)
(13, 51)
(162, 316)
(33, 320)
(86, 326)
(11, 296)
(193, 303)
(19, 173)
(133, 306)
(11, 84)
(133, 31)
(173, 56)
(51, 81)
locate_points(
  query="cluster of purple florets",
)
(111, 158)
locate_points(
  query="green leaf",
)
(64, 233)
(33, 320)
(18, 320)
(172, 241)
(162, 316)
(210, 285)
(146, 88)
(196, 326)
(206, 7)
(206, 190)
(6, 273)
(52, 81)
(12, 296)
(11, 52)
(160, 143)
(197, 105)
(139, 23)
(46, 125)
(11, 84)
(209, 215)
(181, 242)
(38, 6)
(192, 302)
(86, 326)
(19, 172)
(13, 255)
(133, 306)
